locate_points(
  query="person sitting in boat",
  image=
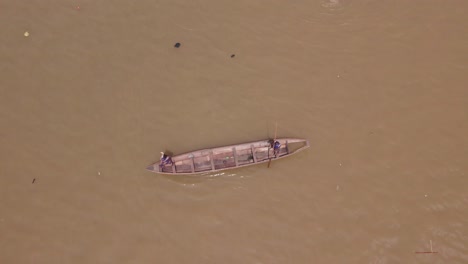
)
(276, 147)
(165, 160)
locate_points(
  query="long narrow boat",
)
(229, 157)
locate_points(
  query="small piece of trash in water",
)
(99, 173)
(425, 195)
(427, 252)
(177, 45)
(340, 164)
(26, 34)
(338, 76)
(34, 180)
(337, 187)
(233, 55)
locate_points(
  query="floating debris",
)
(177, 45)
(99, 173)
(34, 180)
(233, 55)
(26, 34)
(427, 252)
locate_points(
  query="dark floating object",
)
(233, 55)
(177, 45)
(34, 180)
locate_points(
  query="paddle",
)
(276, 129)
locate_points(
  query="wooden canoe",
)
(229, 157)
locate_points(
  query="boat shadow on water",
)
(201, 178)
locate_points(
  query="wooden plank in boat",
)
(253, 153)
(235, 156)
(192, 165)
(212, 162)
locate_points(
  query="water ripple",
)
(457, 204)
(333, 5)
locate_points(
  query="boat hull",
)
(229, 157)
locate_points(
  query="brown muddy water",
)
(97, 89)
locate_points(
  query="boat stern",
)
(150, 167)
